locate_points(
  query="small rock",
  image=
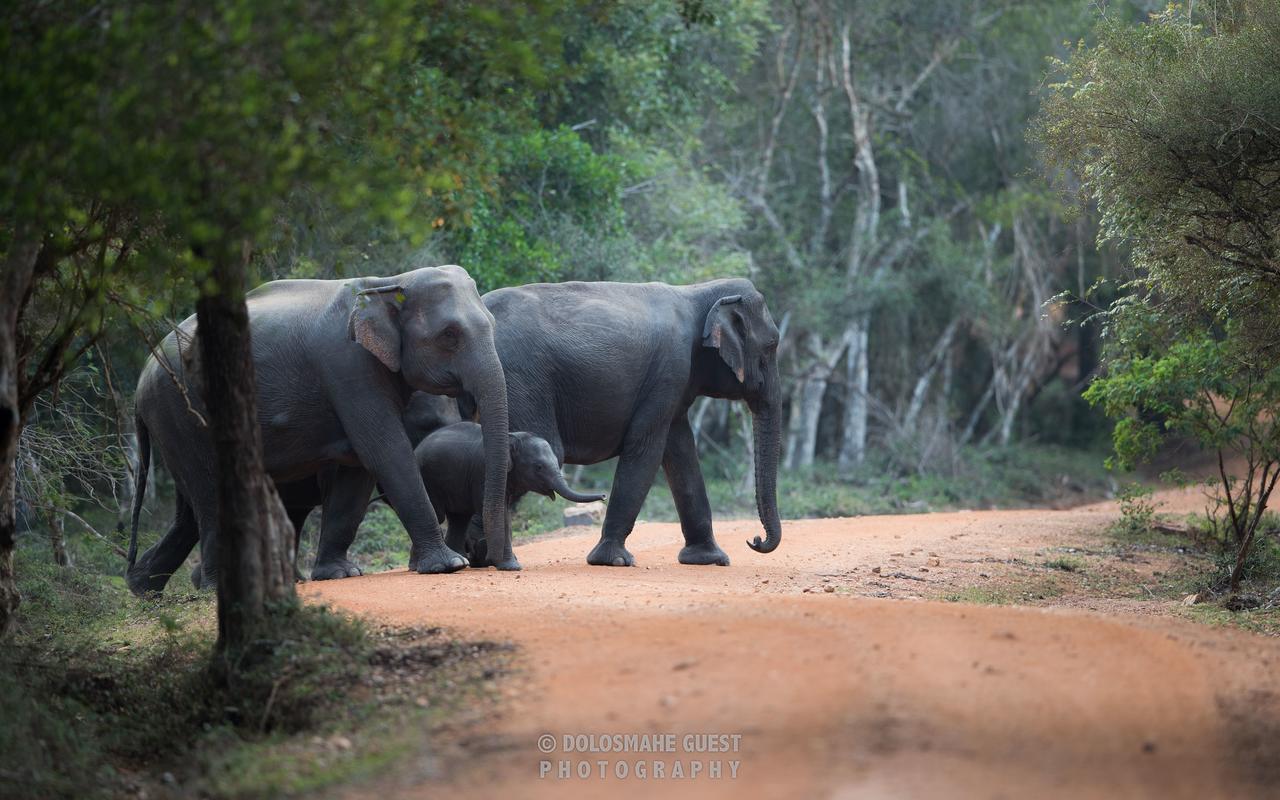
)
(935, 562)
(168, 778)
(682, 665)
(828, 589)
(340, 743)
(983, 575)
(1191, 599)
(1148, 747)
(876, 570)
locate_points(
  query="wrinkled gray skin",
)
(610, 369)
(335, 363)
(451, 461)
(423, 414)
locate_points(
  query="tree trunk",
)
(255, 539)
(15, 284)
(58, 541)
(806, 408)
(853, 445)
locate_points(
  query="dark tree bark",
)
(255, 539)
(15, 287)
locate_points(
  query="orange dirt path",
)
(838, 681)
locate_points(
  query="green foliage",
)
(1065, 564)
(1204, 387)
(103, 695)
(1137, 508)
(1170, 127)
(1200, 387)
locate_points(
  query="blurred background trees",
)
(866, 164)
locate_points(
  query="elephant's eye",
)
(448, 338)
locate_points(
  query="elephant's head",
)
(535, 468)
(740, 330)
(430, 326)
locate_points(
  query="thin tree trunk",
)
(803, 424)
(937, 358)
(57, 541)
(15, 284)
(255, 562)
(853, 444)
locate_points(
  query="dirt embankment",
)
(840, 680)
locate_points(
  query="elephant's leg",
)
(386, 453)
(637, 467)
(684, 476)
(455, 537)
(298, 518)
(205, 575)
(345, 501)
(153, 568)
(477, 544)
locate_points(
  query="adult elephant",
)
(610, 369)
(335, 362)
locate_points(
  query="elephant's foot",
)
(142, 582)
(608, 553)
(478, 554)
(203, 579)
(704, 553)
(333, 569)
(435, 561)
(506, 565)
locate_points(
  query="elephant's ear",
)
(720, 332)
(375, 323)
(513, 443)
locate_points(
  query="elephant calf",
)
(452, 464)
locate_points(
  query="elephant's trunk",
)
(490, 391)
(767, 430)
(562, 489)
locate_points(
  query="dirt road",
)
(840, 681)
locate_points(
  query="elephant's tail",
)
(140, 485)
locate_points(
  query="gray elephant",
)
(610, 369)
(451, 461)
(423, 414)
(335, 364)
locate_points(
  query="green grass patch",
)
(1265, 621)
(104, 694)
(1016, 591)
(1065, 564)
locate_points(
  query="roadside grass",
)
(106, 695)
(1178, 568)
(1065, 564)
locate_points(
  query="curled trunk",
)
(572, 495)
(767, 434)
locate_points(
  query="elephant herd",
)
(365, 384)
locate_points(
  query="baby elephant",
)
(452, 464)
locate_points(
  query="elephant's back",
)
(589, 323)
(459, 444)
